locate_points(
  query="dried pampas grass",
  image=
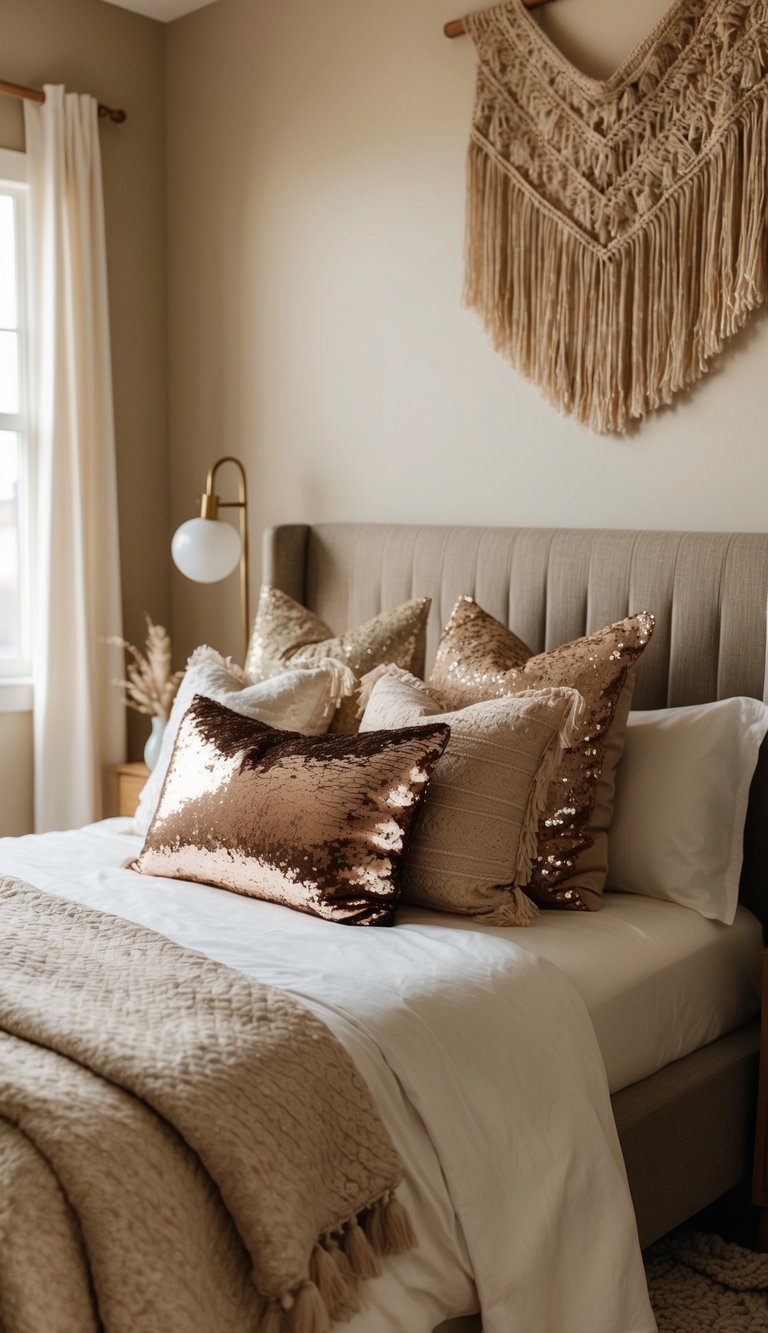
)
(151, 685)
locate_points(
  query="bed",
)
(682, 1094)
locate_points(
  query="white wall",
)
(316, 193)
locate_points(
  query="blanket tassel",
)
(388, 1227)
(302, 1312)
(362, 1259)
(338, 1291)
(272, 1319)
(309, 1313)
(331, 1292)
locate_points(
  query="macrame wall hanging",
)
(617, 230)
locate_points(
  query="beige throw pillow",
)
(479, 658)
(304, 700)
(471, 850)
(285, 634)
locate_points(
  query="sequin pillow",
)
(286, 634)
(471, 850)
(317, 823)
(479, 658)
(304, 699)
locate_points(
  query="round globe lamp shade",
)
(205, 549)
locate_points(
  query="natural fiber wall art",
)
(617, 230)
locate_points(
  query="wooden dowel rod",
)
(16, 90)
(37, 95)
(455, 28)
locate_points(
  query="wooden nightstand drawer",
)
(129, 780)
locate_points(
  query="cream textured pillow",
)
(472, 848)
(479, 658)
(317, 823)
(681, 803)
(286, 634)
(304, 700)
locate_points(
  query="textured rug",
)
(701, 1283)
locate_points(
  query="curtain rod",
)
(37, 95)
(456, 26)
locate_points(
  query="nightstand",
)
(760, 1174)
(129, 780)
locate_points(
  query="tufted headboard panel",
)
(708, 591)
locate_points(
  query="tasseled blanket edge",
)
(341, 1259)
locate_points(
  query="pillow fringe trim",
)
(519, 909)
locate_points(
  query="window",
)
(15, 463)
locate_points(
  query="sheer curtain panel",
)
(79, 721)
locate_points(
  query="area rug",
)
(699, 1282)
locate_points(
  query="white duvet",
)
(484, 1065)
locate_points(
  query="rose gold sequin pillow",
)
(285, 634)
(317, 823)
(472, 847)
(479, 658)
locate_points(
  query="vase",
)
(154, 741)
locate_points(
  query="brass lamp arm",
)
(210, 504)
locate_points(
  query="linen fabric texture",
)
(286, 634)
(478, 658)
(681, 803)
(317, 823)
(471, 851)
(161, 1117)
(303, 699)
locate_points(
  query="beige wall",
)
(119, 57)
(316, 164)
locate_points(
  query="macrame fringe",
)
(343, 681)
(516, 910)
(340, 1261)
(611, 335)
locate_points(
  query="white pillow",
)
(303, 699)
(681, 802)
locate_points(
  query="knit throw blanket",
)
(617, 230)
(180, 1146)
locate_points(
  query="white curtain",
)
(79, 719)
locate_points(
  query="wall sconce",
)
(206, 549)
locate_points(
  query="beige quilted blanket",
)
(181, 1148)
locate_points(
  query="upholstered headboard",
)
(708, 591)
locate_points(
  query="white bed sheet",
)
(658, 979)
(547, 1232)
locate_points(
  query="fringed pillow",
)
(317, 823)
(479, 658)
(304, 699)
(472, 848)
(285, 634)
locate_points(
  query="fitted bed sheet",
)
(658, 980)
